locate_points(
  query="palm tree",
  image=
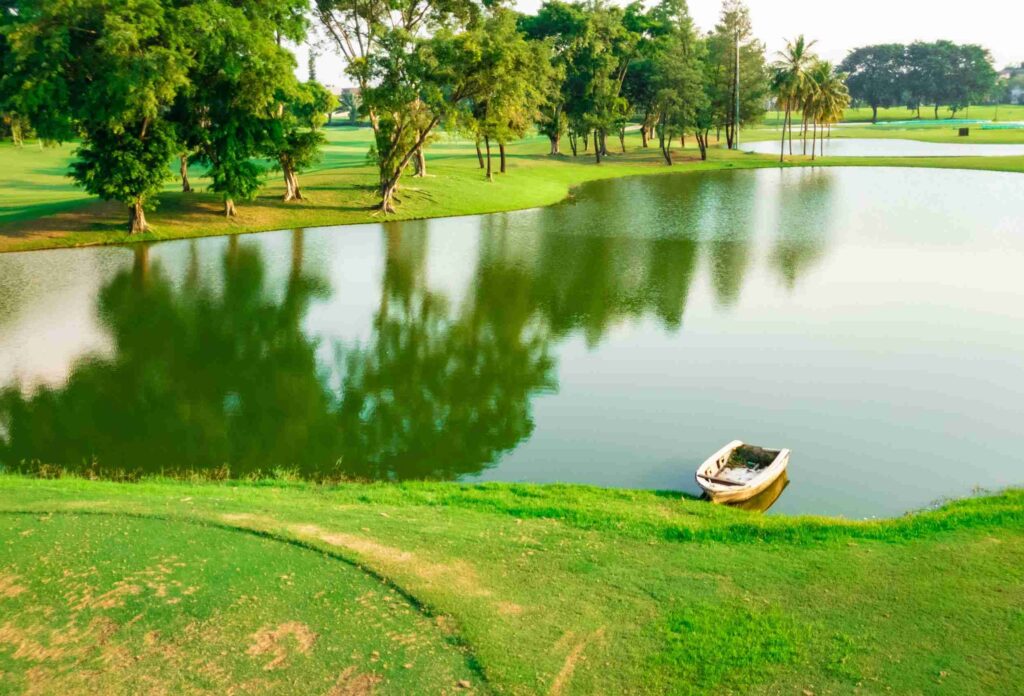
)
(790, 81)
(828, 97)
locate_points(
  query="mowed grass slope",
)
(41, 208)
(512, 589)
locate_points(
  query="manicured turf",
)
(541, 589)
(341, 190)
(1002, 113)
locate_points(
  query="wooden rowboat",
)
(738, 471)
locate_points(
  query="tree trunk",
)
(137, 218)
(643, 134)
(229, 208)
(874, 113)
(501, 155)
(814, 141)
(572, 143)
(554, 145)
(420, 163)
(782, 151)
(936, 112)
(622, 139)
(289, 194)
(597, 147)
(387, 196)
(291, 183)
(790, 109)
(702, 143)
(487, 144)
(185, 186)
(604, 142)
(665, 143)
(586, 141)
(479, 155)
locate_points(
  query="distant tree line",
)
(922, 74)
(140, 83)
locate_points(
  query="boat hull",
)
(724, 493)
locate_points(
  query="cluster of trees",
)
(141, 82)
(803, 82)
(580, 69)
(937, 74)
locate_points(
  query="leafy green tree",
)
(296, 135)
(679, 76)
(234, 93)
(413, 90)
(409, 79)
(971, 77)
(876, 75)
(106, 72)
(562, 26)
(350, 105)
(736, 92)
(514, 76)
(928, 74)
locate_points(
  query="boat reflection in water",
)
(764, 500)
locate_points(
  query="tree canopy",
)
(938, 74)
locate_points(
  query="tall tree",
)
(791, 82)
(971, 77)
(296, 135)
(515, 75)
(876, 75)
(234, 94)
(562, 26)
(679, 76)
(738, 84)
(408, 81)
(105, 71)
(827, 98)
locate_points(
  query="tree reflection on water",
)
(218, 375)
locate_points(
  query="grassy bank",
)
(42, 209)
(442, 588)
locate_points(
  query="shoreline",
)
(535, 182)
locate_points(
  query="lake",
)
(872, 320)
(888, 147)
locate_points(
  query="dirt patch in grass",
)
(458, 574)
(275, 641)
(352, 682)
(9, 586)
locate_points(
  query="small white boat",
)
(739, 471)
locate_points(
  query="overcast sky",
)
(838, 27)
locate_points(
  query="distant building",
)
(1013, 77)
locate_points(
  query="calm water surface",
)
(889, 147)
(870, 319)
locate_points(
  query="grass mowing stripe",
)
(455, 638)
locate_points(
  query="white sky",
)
(838, 27)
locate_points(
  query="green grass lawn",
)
(1001, 113)
(512, 589)
(40, 207)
